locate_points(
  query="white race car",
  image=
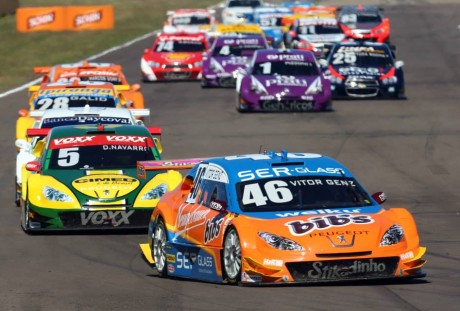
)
(239, 11)
(189, 20)
(46, 119)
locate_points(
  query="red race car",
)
(174, 56)
(364, 23)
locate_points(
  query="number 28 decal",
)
(48, 103)
(276, 192)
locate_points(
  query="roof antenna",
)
(284, 155)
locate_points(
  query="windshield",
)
(300, 193)
(270, 21)
(362, 18)
(191, 20)
(180, 46)
(76, 100)
(285, 68)
(236, 50)
(362, 57)
(319, 30)
(99, 152)
(244, 3)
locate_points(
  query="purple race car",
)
(283, 80)
(227, 54)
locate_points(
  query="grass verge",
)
(20, 52)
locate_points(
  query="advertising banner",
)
(59, 18)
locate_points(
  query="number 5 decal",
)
(68, 156)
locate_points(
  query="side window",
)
(195, 192)
(213, 191)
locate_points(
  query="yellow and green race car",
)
(85, 178)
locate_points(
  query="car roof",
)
(74, 111)
(94, 129)
(347, 9)
(77, 84)
(244, 38)
(182, 35)
(363, 43)
(296, 164)
(274, 54)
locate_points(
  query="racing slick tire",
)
(25, 221)
(204, 84)
(231, 257)
(238, 106)
(160, 238)
(17, 198)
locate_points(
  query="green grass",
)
(20, 52)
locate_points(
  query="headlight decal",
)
(393, 235)
(279, 242)
(156, 192)
(52, 194)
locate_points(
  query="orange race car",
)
(68, 95)
(90, 71)
(277, 218)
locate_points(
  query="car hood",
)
(328, 233)
(100, 185)
(371, 72)
(174, 57)
(323, 38)
(290, 85)
(363, 26)
(229, 64)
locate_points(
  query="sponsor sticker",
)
(105, 140)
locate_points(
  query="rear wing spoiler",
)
(178, 164)
(42, 69)
(134, 112)
(140, 112)
(37, 132)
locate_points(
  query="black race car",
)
(363, 70)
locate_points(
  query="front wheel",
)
(25, 221)
(232, 256)
(160, 238)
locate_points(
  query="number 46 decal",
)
(276, 190)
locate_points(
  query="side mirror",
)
(135, 87)
(23, 144)
(399, 64)
(187, 184)
(146, 51)
(322, 63)
(158, 145)
(218, 205)
(33, 166)
(23, 113)
(379, 197)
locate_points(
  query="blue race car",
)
(269, 19)
(227, 54)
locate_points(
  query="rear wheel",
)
(160, 238)
(232, 256)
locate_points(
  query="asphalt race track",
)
(407, 148)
